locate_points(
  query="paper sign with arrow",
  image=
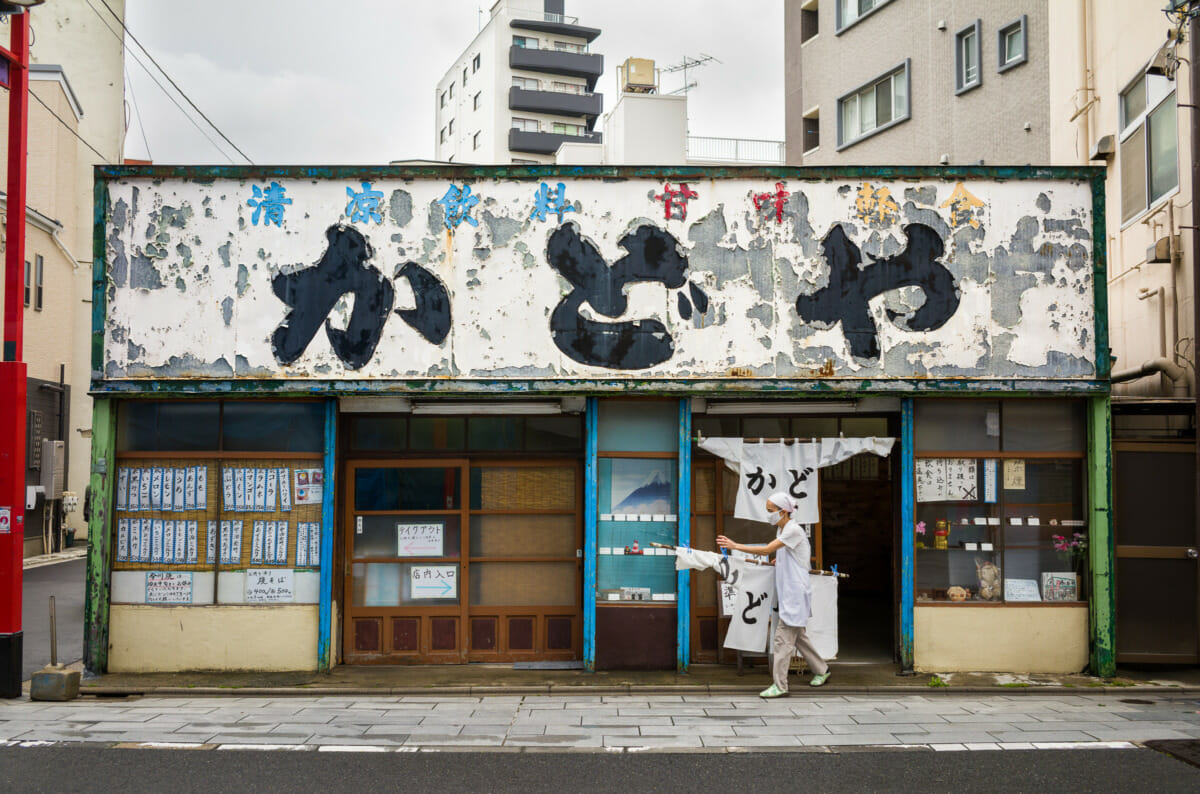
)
(433, 581)
(419, 540)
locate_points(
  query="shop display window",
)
(1000, 502)
(504, 434)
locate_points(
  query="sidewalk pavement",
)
(495, 679)
(73, 553)
(588, 722)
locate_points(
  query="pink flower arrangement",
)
(920, 527)
(1075, 544)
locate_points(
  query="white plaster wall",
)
(1009, 639)
(172, 639)
(1034, 322)
(647, 129)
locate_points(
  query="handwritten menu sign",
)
(433, 581)
(419, 540)
(947, 479)
(269, 585)
(168, 587)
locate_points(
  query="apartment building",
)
(916, 82)
(522, 87)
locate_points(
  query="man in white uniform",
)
(793, 590)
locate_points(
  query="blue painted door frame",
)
(907, 533)
(325, 610)
(590, 471)
(683, 589)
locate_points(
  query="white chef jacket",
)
(792, 585)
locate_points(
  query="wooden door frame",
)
(424, 653)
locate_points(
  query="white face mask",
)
(776, 518)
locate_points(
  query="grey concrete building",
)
(900, 82)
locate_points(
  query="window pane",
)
(407, 489)
(553, 433)
(883, 102)
(169, 426)
(273, 427)
(1014, 44)
(378, 432)
(523, 536)
(380, 536)
(1043, 426)
(494, 432)
(523, 488)
(900, 94)
(866, 110)
(391, 584)
(1164, 155)
(431, 433)
(1133, 102)
(849, 119)
(1133, 174)
(638, 426)
(962, 425)
(524, 584)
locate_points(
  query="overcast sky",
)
(352, 81)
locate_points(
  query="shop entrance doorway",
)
(858, 532)
(455, 560)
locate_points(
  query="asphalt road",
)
(82, 767)
(64, 581)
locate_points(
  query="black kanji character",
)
(797, 478)
(851, 287)
(754, 604)
(652, 256)
(313, 292)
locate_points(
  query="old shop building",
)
(428, 415)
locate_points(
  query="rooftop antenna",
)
(688, 62)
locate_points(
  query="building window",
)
(452, 90)
(525, 41)
(561, 128)
(525, 125)
(880, 104)
(811, 131)
(475, 64)
(475, 101)
(808, 21)
(568, 88)
(442, 136)
(1149, 144)
(28, 282)
(442, 101)
(528, 83)
(450, 128)
(1011, 46)
(464, 75)
(1001, 501)
(475, 141)
(850, 11)
(39, 273)
(967, 74)
(570, 46)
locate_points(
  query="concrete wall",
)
(1008, 639)
(997, 284)
(984, 124)
(647, 129)
(1098, 54)
(172, 639)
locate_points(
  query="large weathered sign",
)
(589, 277)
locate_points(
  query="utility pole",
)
(12, 368)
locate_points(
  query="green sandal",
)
(773, 692)
(818, 680)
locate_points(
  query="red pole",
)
(12, 368)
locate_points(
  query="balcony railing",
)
(735, 150)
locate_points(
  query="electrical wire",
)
(121, 22)
(68, 126)
(138, 114)
(154, 79)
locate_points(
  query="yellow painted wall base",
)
(1000, 639)
(144, 639)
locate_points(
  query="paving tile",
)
(652, 741)
(834, 741)
(773, 730)
(751, 741)
(683, 730)
(867, 730)
(901, 717)
(1139, 734)
(274, 738)
(943, 738)
(554, 740)
(1042, 736)
(317, 731)
(454, 740)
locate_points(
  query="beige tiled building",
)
(76, 96)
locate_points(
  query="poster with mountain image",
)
(643, 487)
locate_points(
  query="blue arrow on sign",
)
(445, 587)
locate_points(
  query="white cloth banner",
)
(822, 626)
(691, 559)
(750, 623)
(779, 466)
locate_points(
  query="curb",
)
(631, 689)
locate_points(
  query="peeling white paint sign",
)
(576, 277)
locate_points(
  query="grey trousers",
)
(788, 640)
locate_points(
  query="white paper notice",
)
(285, 491)
(302, 544)
(989, 481)
(193, 542)
(269, 585)
(256, 544)
(144, 485)
(226, 550)
(211, 538)
(433, 581)
(309, 486)
(260, 489)
(122, 540)
(227, 489)
(239, 490)
(235, 543)
(281, 542)
(272, 485)
(144, 540)
(180, 491)
(135, 489)
(202, 487)
(189, 490)
(419, 540)
(156, 540)
(314, 544)
(163, 587)
(123, 489)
